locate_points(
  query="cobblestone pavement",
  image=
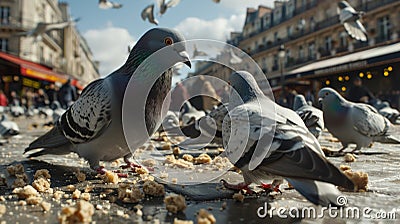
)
(381, 162)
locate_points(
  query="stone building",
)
(52, 57)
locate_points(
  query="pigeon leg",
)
(358, 149)
(274, 186)
(129, 163)
(237, 187)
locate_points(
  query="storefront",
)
(17, 73)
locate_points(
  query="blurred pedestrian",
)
(14, 99)
(210, 97)
(41, 99)
(359, 93)
(67, 94)
(3, 99)
(52, 93)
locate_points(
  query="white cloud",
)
(239, 6)
(216, 29)
(109, 46)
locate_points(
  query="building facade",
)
(318, 51)
(60, 54)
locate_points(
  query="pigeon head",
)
(154, 40)
(299, 101)
(245, 86)
(329, 97)
(343, 4)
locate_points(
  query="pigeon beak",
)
(185, 57)
(320, 101)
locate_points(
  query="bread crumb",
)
(170, 159)
(16, 169)
(25, 192)
(166, 146)
(219, 163)
(176, 151)
(178, 221)
(71, 187)
(238, 197)
(20, 181)
(344, 167)
(110, 177)
(153, 188)
(41, 184)
(43, 173)
(88, 188)
(348, 158)
(359, 178)
(141, 170)
(223, 206)
(203, 159)
(21, 203)
(80, 176)
(81, 213)
(45, 206)
(149, 163)
(76, 194)
(2, 198)
(175, 203)
(34, 200)
(85, 196)
(58, 194)
(187, 157)
(204, 217)
(129, 193)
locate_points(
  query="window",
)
(3, 44)
(384, 28)
(4, 15)
(275, 36)
(301, 52)
(289, 31)
(343, 39)
(328, 43)
(311, 50)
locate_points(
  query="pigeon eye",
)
(326, 94)
(168, 41)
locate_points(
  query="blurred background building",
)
(53, 57)
(301, 45)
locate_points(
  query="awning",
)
(353, 61)
(37, 71)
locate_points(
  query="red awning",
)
(37, 71)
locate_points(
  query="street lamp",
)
(281, 55)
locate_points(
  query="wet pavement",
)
(381, 162)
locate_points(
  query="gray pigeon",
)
(266, 140)
(350, 19)
(163, 5)
(92, 127)
(148, 13)
(312, 117)
(17, 111)
(105, 4)
(386, 110)
(356, 123)
(8, 128)
(189, 113)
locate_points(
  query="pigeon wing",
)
(367, 121)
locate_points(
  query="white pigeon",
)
(58, 111)
(350, 19)
(313, 117)
(92, 127)
(266, 140)
(105, 4)
(8, 128)
(189, 113)
(171, 120)
(17, 111)
(42, 28)
(148, 13)
(356, 123)
(163, 5)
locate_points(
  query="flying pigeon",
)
(356, 123)
(189, 113)
(148, 13)
(312, 117)
(266, 140)
(8, 128)
(350, 18)
(163, 5)
(92, 127)
(105, 4)
(42, 28)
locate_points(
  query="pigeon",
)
(58, 111)
(189, 113)
(8, 128)
(312, 117)
(356, 123)
(46, 112)
(350, 19)
(266, 140)
(17, 111)
(42, 28)
(386, 110)
(92, 126)
(163, 5)
(105, 4)
(148, 13)
(171, 120)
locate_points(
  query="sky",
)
(109, 32)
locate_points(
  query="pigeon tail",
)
(52, 139)
(319, 193)
(387, 139)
